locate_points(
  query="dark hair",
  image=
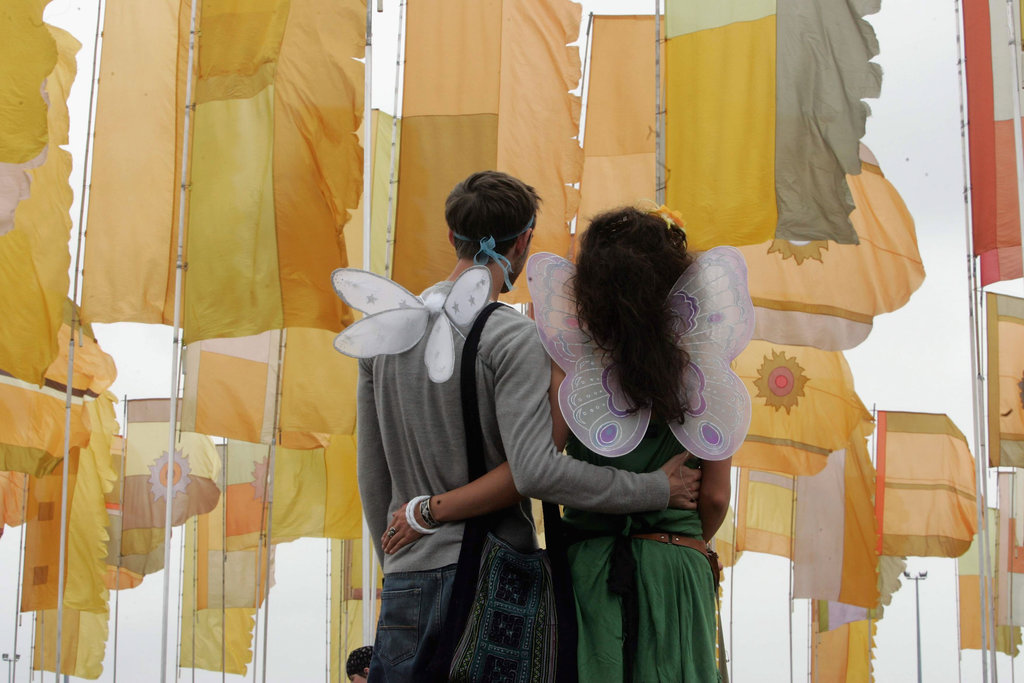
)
(628, 261)
(358, 660)
(489, 203)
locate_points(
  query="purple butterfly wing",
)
(714, 323)
(590, 397)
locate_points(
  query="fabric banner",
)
(762, 125)
(995, 208)
(35, 197)
(83, 642)
(41, 564)
(1008, 638)
(827, 295)
(835, 545)
(724, 542)
(193, 483)
(275, 165)
(925, 494)
(843, 654)
(231, 388)
(803, 407)
(486, 87)
(765, 510)
(13, 491)
(215, 637)
(1010, 551)
(618, 143)
(1005, 333)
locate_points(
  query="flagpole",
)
(120, 540)
(976, 379)
(369, 616)
(21, 561)
(181, 609)
(659, 117)
(792, 552)
(223, 555)
(959, 635)
(1018, 143)
(732, 574)
(195, 587)
(327, 639)
(389, 236)
(179, 271)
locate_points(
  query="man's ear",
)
(523, 241)
(451, 237)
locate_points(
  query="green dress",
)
(674, 584)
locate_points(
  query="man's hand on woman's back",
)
(683, 483)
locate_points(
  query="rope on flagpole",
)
(181, 608)
(792, 552)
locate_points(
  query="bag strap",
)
(475, 534)
(475, 531)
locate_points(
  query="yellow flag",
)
(725, 541)
(83, 642)
(42, 537)
(231, 388)
(34, 259)
(803, 407)
(506, 108)
(275, 166)
(765, 512)
(13, 487)
(754, 151)
(843, 655)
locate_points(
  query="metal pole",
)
(179, 271)
(659, 112)
(920, 576)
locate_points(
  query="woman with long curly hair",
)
(645, 589)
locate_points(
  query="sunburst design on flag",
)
(799, 251)
(1020, 387)
(158, 475)
(780, 381)
(259, 479)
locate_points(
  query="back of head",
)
(628, 261)
(489, 204)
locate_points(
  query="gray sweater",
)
(411, 442)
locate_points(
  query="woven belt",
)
(697, 544)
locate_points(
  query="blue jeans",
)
(413, 606)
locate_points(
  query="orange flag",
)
(925, 494)
(1005, 380)
(486, 87)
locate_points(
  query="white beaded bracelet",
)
(410, 516)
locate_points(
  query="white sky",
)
(915, 359)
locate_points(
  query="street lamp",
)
(10, 665)
(921, 576)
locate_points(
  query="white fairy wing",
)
(439, 355)
(468, 296)
(387, 332)
(590, 397)
(714, 323)
(371, 293)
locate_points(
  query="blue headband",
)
(487, 252)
